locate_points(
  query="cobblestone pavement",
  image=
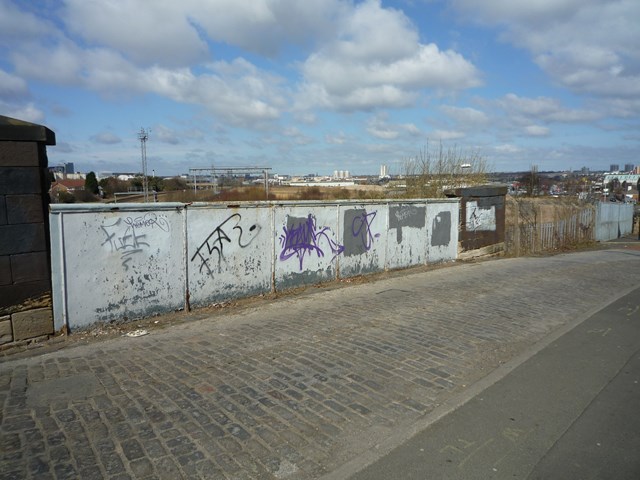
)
(294, 387)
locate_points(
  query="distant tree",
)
(175, 183)
(156, 184)
(66, 197)
(137, 183)
(91, 183)
(111, 185)
(531, 181)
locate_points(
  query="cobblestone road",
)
(294, 387)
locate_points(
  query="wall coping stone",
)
(12, 129)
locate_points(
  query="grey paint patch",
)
(406, 216)
(307, 277)
(441, 230)
(358, 235)
(361, 269)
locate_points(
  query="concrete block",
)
(16, 180)
(32, 323)
(18, 154)
(6, 334)
(22, 238)
(24, 209)
(5, 271)
(27, 267)
(3, 210)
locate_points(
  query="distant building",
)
(66, 185)
(384, 171)
(614, 167)
(628, 167)
(585, 171)
(69, 168)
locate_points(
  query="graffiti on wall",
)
(211, 253)
(406, 216)
(302, 237)
(131, 235)
(441, 230)
(480, 218)
(358, 235)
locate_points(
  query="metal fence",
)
(532, 237)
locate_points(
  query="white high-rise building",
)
(384, 171)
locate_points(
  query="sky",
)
(314, 86)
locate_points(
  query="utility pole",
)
(143, 136)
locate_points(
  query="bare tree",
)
(432, 171)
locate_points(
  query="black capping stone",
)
(478, 191)
(12, 129)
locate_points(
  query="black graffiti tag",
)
(217, 240)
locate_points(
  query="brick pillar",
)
(482, 217)
(25, 255)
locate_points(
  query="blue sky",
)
(315, 86)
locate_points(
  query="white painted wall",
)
(229, 252)
(127, 261)
(120, 264)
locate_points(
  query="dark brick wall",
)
(25, 273)
(489, 198)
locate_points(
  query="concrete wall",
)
(613, 220)
(229, 252)
(133, 260)
(25, 282)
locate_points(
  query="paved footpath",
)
(316, 385)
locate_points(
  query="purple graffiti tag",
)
(302, 237)
(215, 242)
(361, 227)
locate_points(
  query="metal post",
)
(143, 136)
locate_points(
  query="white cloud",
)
(379, 127)
(12, 87)
(297, 136)
(265, 26)
(338, 139)
(17, 25)
(465, 117)
(106, 138)
(28, 112)
(150, 33)
(169, 33)
(446, 135)
(525, 110)
(589, 46)
(165, 135)
(535, 11)
(378, 61)
(507, 148)
(536, 131)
